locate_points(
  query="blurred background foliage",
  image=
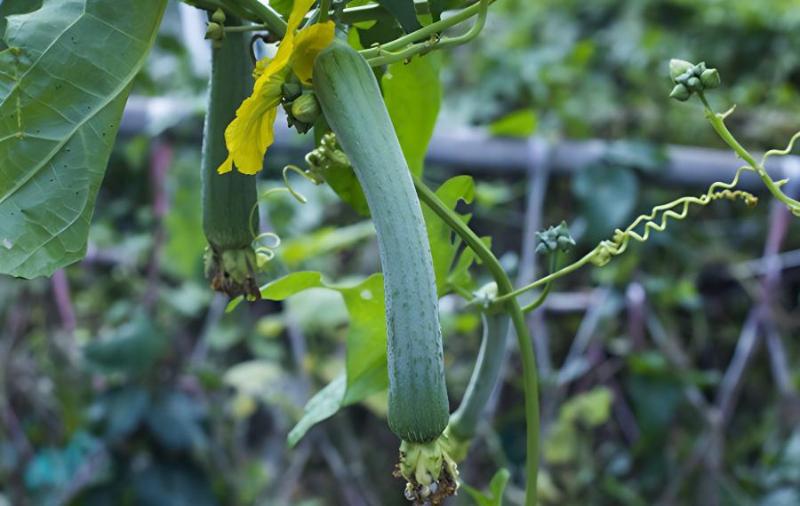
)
(123, 381)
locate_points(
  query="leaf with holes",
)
(64, 80)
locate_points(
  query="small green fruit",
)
(305, 108)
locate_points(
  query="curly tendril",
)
(607, 249)
(265, 243)
(781, 152)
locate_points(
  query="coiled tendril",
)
(617, 245)
(319, 161)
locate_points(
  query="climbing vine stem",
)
(717, 121)
(656, 220)
(504, 286)
(404, 47)
(324, 9)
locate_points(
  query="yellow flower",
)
(250, 134)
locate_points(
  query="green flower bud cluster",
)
(215, 30)
(326, 156)
(555, 239)
(690, 78)
(301, 106)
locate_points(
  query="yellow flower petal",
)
(250, 134)
(252, 130)
(226, 166)
(286, 46)
(299, 10)
(310, 41)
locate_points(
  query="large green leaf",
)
(323, 241)
(64, 80)
(365, 371)
(413, 94)
(11, 7)
(319, 408)
(444, 243)
(366, 339)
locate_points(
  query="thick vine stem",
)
(430, 472)
(504, 286)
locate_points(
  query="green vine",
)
(264, 13)
(656, 220)
(717, 121)
(511, 305)
(409, 45)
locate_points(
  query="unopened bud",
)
(680, 92)
(305, 108)
(694, 84)
(710, 79)
(214, 31)
(218, 17)
(678, 67)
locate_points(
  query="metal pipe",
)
(474, 151)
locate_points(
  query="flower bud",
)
(694, 84)
(680, 92)
(710, 79)
(291, 90)
(305, 108)
(218, 17)
(678, 67)
(699, 69)
(214, 31)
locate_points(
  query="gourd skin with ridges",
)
(353, 107)
(228, 199)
